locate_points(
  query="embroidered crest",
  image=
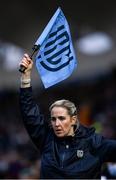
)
(80, 153)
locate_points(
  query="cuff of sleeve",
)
(28, 89)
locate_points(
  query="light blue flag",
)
(56, 59)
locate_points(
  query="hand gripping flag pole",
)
(35, 48)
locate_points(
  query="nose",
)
(57, 122)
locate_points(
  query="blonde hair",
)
(70, 106)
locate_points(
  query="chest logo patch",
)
(80, 153)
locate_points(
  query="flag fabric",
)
(55, 60)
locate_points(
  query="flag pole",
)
(35, 48)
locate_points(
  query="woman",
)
(68, 149)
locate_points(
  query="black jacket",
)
(78, 157)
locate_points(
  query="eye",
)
(53, 119)
(61, 118)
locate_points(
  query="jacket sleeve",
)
(105, 148)
(33, 120)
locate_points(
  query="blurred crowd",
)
(19, 158)
(96, 103)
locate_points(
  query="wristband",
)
(25, 81)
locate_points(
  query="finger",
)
(23, 64)
(27, 57)
(25, 60)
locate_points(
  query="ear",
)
(73, 120)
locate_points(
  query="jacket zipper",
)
(63, 156)
(63, 159)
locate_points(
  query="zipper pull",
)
(67, 146)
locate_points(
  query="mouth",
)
(58, 131)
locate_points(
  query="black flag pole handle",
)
(35, 48)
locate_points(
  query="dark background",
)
(92, 86)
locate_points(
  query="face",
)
(62, 122)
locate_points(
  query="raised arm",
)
(33, 120)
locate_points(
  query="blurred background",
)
(92, 86)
